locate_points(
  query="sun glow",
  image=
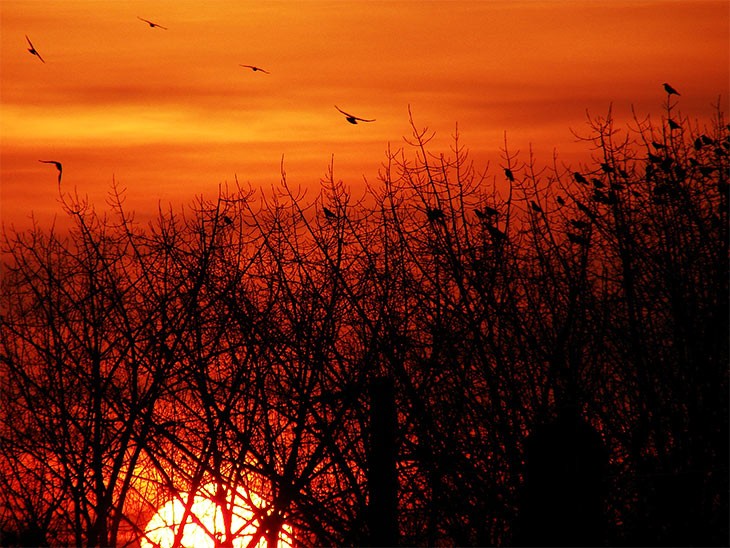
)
(209, 523)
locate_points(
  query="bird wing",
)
(343, 112)
(362, 119)
(145, 20)
(29, 42)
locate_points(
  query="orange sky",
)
(171, 115)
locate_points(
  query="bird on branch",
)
(670, 90)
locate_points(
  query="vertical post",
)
(382, 478)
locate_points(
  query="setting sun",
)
(205, 525)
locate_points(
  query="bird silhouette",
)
(226, 219)
(577, 223)
(328, 213)
(496, 234)
(151, 24)
(32, 49)
(509, 175)
(576, 239)
(579, 178)
(58, 165)
(560, 201)
(435, 214)
(673, 124)
(670, 90)
(535, 207)
(255, 68)
(353, 119)
(488, 211)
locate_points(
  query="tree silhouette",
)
(536, 360)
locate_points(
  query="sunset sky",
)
(170, 113)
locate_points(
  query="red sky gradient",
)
(170, 114)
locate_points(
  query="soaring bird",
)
(58, 165)
(510, 176)
(670, 90)
(151, 24)
(255, 69)
(32, 49)
(353, 119)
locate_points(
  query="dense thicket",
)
(235, 344)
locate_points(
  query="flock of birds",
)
(33, 51)
(432, 214)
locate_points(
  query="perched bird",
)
(353, 119)
(496, 234)
(560, 200)
(607, 168)
(256, 69)
(227, 220)
(435, 214)
(579, 178)
(577, 223)
(673, 124)
(576, 239)
(58, 165)
(707, 140)
(509, 175)
(597, 182)
(535, 207)
(657, 145)
(670, 90)
(32, 49)
(698, 143)
(328, 213)
(151, 24)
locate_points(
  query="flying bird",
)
(353, 119)
(32, 49)
(255, 69)
(58, 165)
(151, 24)
(670, 90)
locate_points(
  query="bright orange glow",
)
(171, 113)
(205, 526)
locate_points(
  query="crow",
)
(577, 239)
(670, 90)
(435, 215)
(577, 223)
(151, 24)
(509, 175)
(32, 49)
(560, 201)
(58, 165)
(673, 124)
(535, 207)
(328, 213)
(353, 119)
(227, 220)
(256, 69)
(496, 234)
(579, 178)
